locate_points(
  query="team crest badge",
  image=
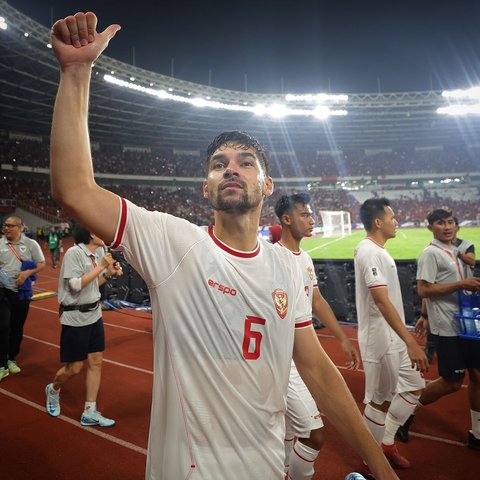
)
(310, 273)
(280, 300)
(374, 271)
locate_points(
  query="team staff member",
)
(439, 278)
(222, 345)
(20, 258)
(392, 358)
(83, 336)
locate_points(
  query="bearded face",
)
(236, 183)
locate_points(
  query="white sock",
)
(402, 406)
(475, 423)
(375, 421)
(302, 460)
(90, 407)
(288, 442)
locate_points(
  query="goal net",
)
(336, 223)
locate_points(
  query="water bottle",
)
(477, 326)
(467, 311)
(354, 476)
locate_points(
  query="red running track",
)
(37, 446)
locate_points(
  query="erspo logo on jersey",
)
(222, 288)
(280, 300)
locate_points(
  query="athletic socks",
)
(90, 407)
(302, 460)
(475, 423)
(375, 420)
(403, 405)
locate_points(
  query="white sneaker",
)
(4, 372)
(53, 400)
(13, 367)
(96, 419)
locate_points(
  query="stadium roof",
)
(29, 77)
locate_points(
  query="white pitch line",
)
(106, 360)
(324, 245)
(75, 423)
(105, 323)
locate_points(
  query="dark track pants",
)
(13, 314)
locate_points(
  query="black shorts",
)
(77, 342)
(456, 355)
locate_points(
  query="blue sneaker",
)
(96, 419)
(53, 400)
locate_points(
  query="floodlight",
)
(459, 110)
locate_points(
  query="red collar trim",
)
(376, 243)
(231, 251)
(295, 253)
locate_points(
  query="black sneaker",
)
(473, 442)
(402, 432)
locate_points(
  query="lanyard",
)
(14, 252)
(92, 258)
(452, 257)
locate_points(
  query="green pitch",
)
(407, 245)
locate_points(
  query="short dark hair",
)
(287, 203)
(371, 209)
(244, 140)
(80, 234)
(438, 214)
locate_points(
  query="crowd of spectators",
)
(119, 159)
(188, 202)
(412, 204)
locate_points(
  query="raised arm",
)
(77, 45)
(332, 395)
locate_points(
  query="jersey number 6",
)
(252, 336)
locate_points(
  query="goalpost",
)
(336, 223)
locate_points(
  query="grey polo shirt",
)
(76, 262)
(26, 248)
(438, 263)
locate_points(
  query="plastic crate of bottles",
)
(469, 314)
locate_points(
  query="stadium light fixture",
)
(3, 23)
(459, 110)
(472, 93)
(274, 110)
(316, 98)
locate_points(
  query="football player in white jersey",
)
(303, 418)
(223, 340)
(392, 358)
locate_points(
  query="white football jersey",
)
(375, 268)
(223, 330)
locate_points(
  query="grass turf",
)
(407, 245)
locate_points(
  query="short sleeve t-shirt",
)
(26, 249)
(78, 261)
(223, 328)
(375, 268)
(438, 263)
